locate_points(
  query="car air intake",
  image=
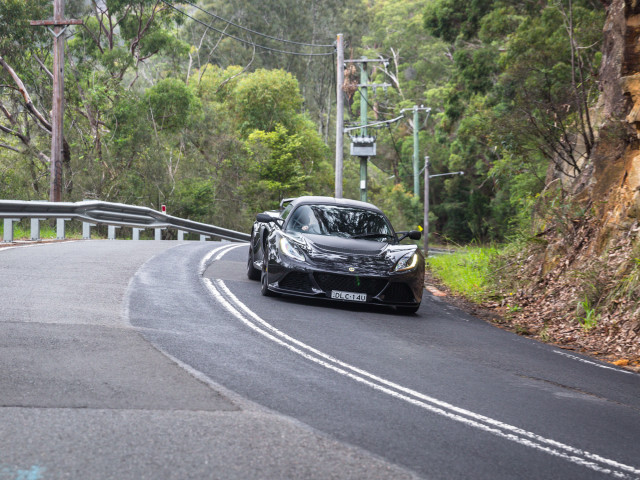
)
(350, 283)
(398, 293)
(300, 282)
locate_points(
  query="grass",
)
(22, 230)
(590, 318)
(466, 272)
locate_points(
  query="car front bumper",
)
(388, 288)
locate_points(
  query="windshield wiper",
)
(372, 235)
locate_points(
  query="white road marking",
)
(38, 244)
(606, 367)
(580, 457)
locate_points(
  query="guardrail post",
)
(203, 238)
(159, 233)
(35, 228)
(181, 235)
(112, 232)
(60, 228)
(86, 230)
(8, 229)
(136, 233)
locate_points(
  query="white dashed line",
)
(582, 360)
(233, 305)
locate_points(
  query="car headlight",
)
(408, 262)
(289, 250)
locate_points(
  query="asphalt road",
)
(84, 396)
(279, 387)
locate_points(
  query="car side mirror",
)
(412, 234)
(265, 218)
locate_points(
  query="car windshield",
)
(348, 222)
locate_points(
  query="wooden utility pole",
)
(426, 205)
(364, 109)
(59, 25)
(339, 115)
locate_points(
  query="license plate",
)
(349, 296)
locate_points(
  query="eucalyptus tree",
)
(104, 61)
(286, 154)
(226, 33)
(107, 59)
(25, 98)
(519, 100)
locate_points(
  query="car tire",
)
(264, 285)
(252, 272)
(408, 310)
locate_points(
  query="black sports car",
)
(337, 249)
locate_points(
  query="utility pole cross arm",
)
(55, 23)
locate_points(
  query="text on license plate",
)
(350, 296)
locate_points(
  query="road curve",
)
(254, 387)
(84, 395)
(440, 393)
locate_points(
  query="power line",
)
(374, 124)
(253, 31)
(247, 42)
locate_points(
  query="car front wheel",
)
(252, 272)
(264, 284)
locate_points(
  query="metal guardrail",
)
(441, 251)
(115, 215)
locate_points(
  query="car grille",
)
(350, 283)
(300, 282)
(398, 293)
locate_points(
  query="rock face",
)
(578, 284)
(616, 158)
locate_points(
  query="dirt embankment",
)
(576, 282)
(558, 290)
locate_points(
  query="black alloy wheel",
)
(252, 272)
(264, 284)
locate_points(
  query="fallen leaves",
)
(550, 281)
(623, 362)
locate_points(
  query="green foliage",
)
(513, 106)
(15, 30)
(265, 99)
(587, 315)
(193, 199)
(159, 110)
(467, 271)
(171, 104)
(450, 19)
(277, 162)
(402, 207)
(273, 157)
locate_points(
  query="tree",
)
(266, 98)
(519, 99)
(287, 154)
(25, 128)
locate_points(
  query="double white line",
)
(233, 305)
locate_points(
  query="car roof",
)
(344, 202)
